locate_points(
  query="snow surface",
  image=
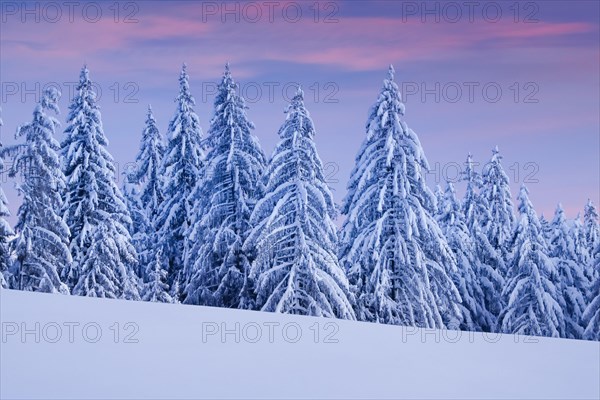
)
(173, 359)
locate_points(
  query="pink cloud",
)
(355, 43)
(367, 43)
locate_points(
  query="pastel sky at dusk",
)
(543, 56)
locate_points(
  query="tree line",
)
(210, 220)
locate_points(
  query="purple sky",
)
(549, 50)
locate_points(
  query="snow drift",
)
(65, 347)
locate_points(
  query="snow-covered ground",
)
(65, 347)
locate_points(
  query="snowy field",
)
(69, 347)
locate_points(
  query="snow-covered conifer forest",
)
(208, 218)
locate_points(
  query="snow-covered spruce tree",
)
(156, 289)
(440, 197)
(500, 218)
(571, 282)
(296, 270)
(181, 169)
(472, 206)
(546, 229)
(591, 315)
(94, 208)
(590, 221)
(489, 263)
(105, 269)
(140, 228)
(475, 317)
(41, 246)
(533, 304)
(393, 250)
(581, 252)
(6, 231)
(148, 180)
(591, 231)
(216, 264)
(149, 161)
